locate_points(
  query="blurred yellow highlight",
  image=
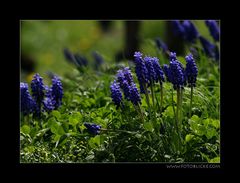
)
(30, 77)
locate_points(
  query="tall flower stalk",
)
(191, 76)
(143, 76)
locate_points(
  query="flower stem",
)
(174, 109)
(178, 106)
(152, 92)
(141, 114)
(148, 101)
(191, 96)
(161, 99)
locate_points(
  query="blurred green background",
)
(44, 41)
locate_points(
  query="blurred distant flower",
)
(213, 28)
(76, 59)
(191, 33)
(27, 103)
(194, 52)
(82, 61)
(208, 47)
(186, 30)
(178, 29)
(68, 55)
(98, 59)
(161, 45)
(93, 128)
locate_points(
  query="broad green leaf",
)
(215, 123)
(56, 138)
(201, 130)
(94, 142)
(51, 121)
(210, 133)
(148, 126)
(215, 160)
(56, 114)
(60, 130)
(188, 137)
(25, 129)
(169, 112)
(73, 121)
(54, 127)
(57, 128)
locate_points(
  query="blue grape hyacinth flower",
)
(166, 71)
(191, 70)
(213, 28)
(151, 74)
(158, 70)
(57, 91)
(120, 77)
(126, 89)
(49, 102)
(176, 75)
(128, 75)
(116, 93)
(93, 128)
(173, 56)
(37, 91)
(27, 103)
(134, 95)
(141, 70)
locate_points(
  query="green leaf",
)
(25, 129)
(215, 123)
(215, 160)
(210, 133)
(94, 142)
(57, 128)
(56, 138)
(169, 112)
(90, 157)
(56, 114)
(73, 121)
(188, 137)
(195, 118)
(148, 126)
(51, 121)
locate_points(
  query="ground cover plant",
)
(157, 107)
